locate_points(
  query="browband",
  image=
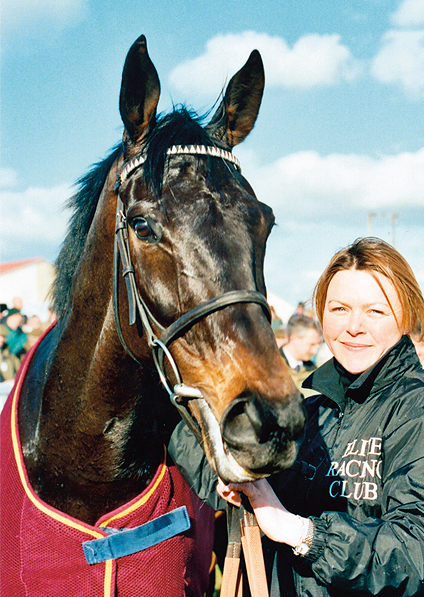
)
(215, 152)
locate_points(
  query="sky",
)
(337, 150)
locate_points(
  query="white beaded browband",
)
(215, 152)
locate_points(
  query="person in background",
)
(300, 309)
(9, 363)
(348, 518)
(33, 329)
(418, 341)
(275, 320)
(16, 337)
(281, 336)
(17, 303)
(303, 341)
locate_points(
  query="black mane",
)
(180, 127)
(83, 205)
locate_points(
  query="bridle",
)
(180, 393)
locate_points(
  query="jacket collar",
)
(335, 383)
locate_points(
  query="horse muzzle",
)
(262, 437)
(253, 439)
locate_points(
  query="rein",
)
(180, 393)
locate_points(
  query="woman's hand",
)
(273, 519)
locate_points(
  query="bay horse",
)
(160, 297)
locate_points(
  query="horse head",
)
(196, 237)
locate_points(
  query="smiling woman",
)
(354, 499)
(387, 267)
(361, 318)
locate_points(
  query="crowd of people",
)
(18, 334)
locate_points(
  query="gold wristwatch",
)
(306, 542)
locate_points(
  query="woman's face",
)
(358, 324)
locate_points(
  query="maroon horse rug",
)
(156, 545)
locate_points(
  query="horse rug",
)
(157, 545)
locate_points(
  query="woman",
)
(348, 518)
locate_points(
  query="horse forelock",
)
(180, 127)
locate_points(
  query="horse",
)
(161, 303)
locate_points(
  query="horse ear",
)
(140, 91)
(237, 113)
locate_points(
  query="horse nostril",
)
(261, 420)
(245, 422)
(261, 434)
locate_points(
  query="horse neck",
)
(88, 354)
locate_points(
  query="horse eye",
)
(142, 228)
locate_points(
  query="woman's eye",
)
(141, 228)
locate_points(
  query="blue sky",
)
(340, 134)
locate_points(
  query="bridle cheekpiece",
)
(180, 393)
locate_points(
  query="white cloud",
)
(312, 61)
(18, 14)
(33, 220)
(328, 186)
(322, 203)
(410, 13)
(401, 61)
